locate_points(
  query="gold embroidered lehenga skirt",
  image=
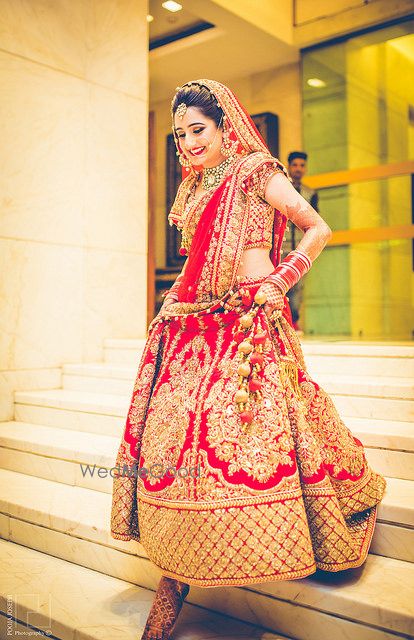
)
(213, 504)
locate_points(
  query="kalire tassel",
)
(289, 375)
(288, 367)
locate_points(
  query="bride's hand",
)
(160, 314)
(275, 298)
(167, 302)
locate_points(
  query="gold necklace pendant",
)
(212, 176)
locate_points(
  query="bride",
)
(234, 467)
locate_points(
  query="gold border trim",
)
(221, 504)
(223, 582)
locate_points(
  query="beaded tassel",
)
(250, 348)
(288, 367)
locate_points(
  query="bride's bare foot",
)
(167, 604)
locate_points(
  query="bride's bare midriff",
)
(255, 262)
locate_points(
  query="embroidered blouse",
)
(261, 213)
(188, 208)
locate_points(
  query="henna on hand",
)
(275, 297)
(168, 300)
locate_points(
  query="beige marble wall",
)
(276, 90)
(73, 217)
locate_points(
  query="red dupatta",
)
(199, 248)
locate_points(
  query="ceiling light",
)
(150, 18)
(316, 82)
(171, 5)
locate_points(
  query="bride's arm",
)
(282, 195)
(169, 298)
(170, 294)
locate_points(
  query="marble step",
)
(388, 358)
(389, 445)
(110, 378)
(72, 523)
(372, 407)
(101, 413)
(366, 359)
(364, 365)
(98, 377)
(48, 596)
(356, 348)
(63, 455)
(55, 453)
(123, 351)
(370, 397)
(367, 386)
(390, 401)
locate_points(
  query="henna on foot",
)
(167, 604)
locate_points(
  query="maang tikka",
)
(181, 110)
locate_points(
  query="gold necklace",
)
(212, 176)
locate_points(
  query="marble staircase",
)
(55, 512)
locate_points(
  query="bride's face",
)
(199, 138)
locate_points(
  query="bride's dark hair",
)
(195, 95)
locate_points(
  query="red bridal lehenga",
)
(291, 494)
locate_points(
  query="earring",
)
(228, 147)
(184, 162)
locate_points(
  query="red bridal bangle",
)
(290, 270)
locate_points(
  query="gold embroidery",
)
(330, 432)
(239, 545)
(168, 418)
(261, 214)
(258, 454)
(254, 543)
(283, 532)
(262, 175)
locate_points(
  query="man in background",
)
(297, 169)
